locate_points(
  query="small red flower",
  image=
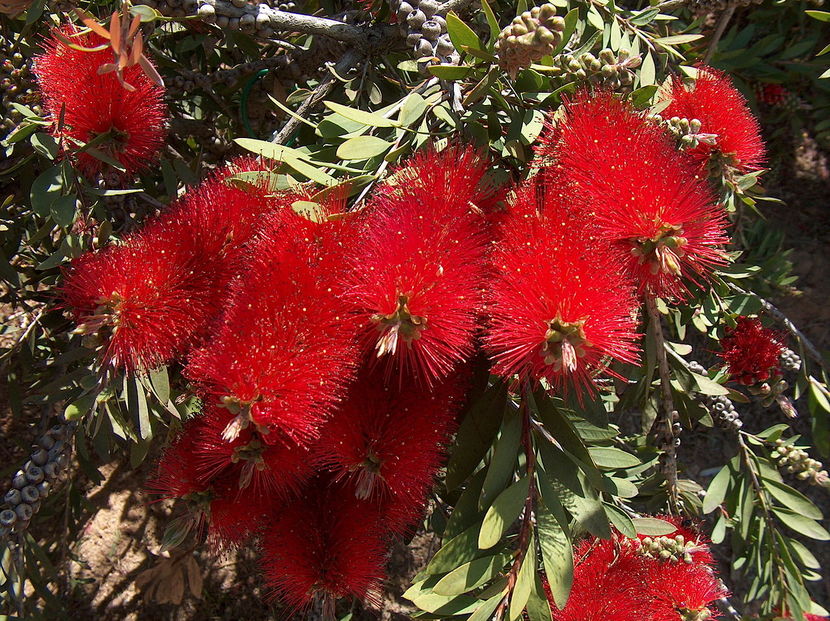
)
(85, 105)
(326, 544)
(389, 442)
(418, 266)
(683, 591)
(154, 297)
(644, 196)
(751, 351)
(233, 517)
(721, 110)
(274, 469)
(560, 309)
(285, 348)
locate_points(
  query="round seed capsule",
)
(12, 497)
(40, 457)
(34, 474)
(24, 512)
(8, 517)
(20, 481)
(29, 494)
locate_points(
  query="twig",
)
(788, 324)
(721, 28)
(664, 424)
(348, 61)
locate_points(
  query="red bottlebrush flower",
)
(644, 196)
(154, 297)
(285, 349)
(682, 591)
(417, 268)
(177, 475)
(721, 110)
(751, 351)
(771, 94)
(273, 469)
(665, 578)
(130, 124)
(235, 517)
(326, 544)
(389, 442)
(560, 309)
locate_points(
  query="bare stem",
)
(723, 22)
(664, 425)
(348, 61)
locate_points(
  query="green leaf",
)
(801, 524)
(309, 210)
(792, 499)
(557, 555)
(471, 575)
(707, 386)
(678, 39)
(620, 519)
(476, 433)
(466, 511)
(524, 582)
(461, 34)
(160, 384)
(45, 144)
(612, 458)
(492, 22)
(623, 488)
(571, 20)
(63, 210)
(503, 513)
(145, 13)
(412, 109)
(486, 610)
(455, 552)
(716, 492)
(645, 17)
(46, 189)
(449, 72)
(538, 608)
(362, 148)
(648, 71)
(137, 406)
(369, 119)
(503, 462)
(79, 408)
(104, 157)
(653, 527)
(822, 16)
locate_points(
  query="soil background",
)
(119, 528)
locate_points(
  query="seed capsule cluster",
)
(32, 483)
(673, 549)
(687, 132)
(531, 36)
(703, 7)
(790, 361)
(610, 70)
(254, 19)
(426, 29)
(796, 461)
(720, 407)
(16, 85)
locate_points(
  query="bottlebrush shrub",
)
(546, 321)
(152, 298)
(418, 266)
(285, 348)
(722, 110)
(128, 126)
(663, 578)
(645, 196)
(389, 440)
(751, 351)
(326, 544)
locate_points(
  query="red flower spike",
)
(751, 351)
(274, 469)
(91, 106)
(285, 349)
(683, 592)
(721, 110)
(389, 442)
(560, 309)
(418, 267)
(177, 475)
(155, 296)
(236, 517)
(643, 195)
(327, 545)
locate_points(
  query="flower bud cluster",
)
(796, 461)
(672, 549)
(790, 361)
(612, 71)
(32, 483)
(686, 132)
(531, 36)
(16, 85)
(426, 29)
